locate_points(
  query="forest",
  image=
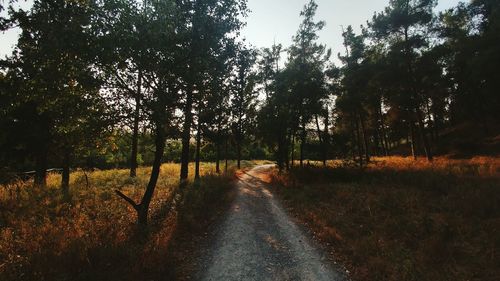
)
(131, 106)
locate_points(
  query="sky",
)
(278, 20)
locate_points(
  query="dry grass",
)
(92, 234)
(404, 220)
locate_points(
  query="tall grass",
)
(91, 234)
(398, 219)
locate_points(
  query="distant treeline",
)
(122, 83)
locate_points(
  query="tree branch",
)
(128, 199)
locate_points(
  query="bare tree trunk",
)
(135, 133)
(238, 152)
(217, 156)
(293, 149)
(303, 143)
(326, 139)
(385, 143)
(186, 135)
(225, 155)
(321, 140)
(41, 168)
(279, 154)
(198, 148)
(358, 139)
(353, 141)
(287, 150)
(412, 140)
(143, 207)
(423, 136)
(365, 139)
(65, 172)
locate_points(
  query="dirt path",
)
(258, 241)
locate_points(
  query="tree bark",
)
(287, 150)
(365, 139)
(41, 168)
(384, 136)
(186, 135)
(65, 172)
(326, 138)
(142, 208)
(321, 140)
(217, 156)
(303, 143)
(198, 148)
(225, 155)
(358, 140)
(238, 152)
(412, 140)
(135, 133)
(423, 136)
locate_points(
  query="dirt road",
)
(258, 241)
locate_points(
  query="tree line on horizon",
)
(101, 83)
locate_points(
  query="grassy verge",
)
(92, 235)
(403, 220)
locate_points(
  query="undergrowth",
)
(400, 219)
(92, 234)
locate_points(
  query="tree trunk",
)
(412, 140)
(377, 146)
(326, 138)
(217, 156)
(198, 148)
(385, 143)
(293, 149)
(225, 155)
(238, 152)
(279, 154)
(302, 143)
(287, 150)
(135, 133)
(143, 207)
(41, 168)
(321, 140)
(186, 135)
(423, 136)
(65, 172)
(365, 139)
(358, 140)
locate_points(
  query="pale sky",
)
(278, 20)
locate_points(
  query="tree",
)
(159, 72)
(307, 60)
(243, 98)
(402, 25)
(208, 25)
(120, 32)
(58, 90)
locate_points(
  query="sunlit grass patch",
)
(90, 235)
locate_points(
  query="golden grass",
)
(477, 166)
(399, 219)
(91, 235)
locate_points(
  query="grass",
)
(91, 235)
(400, 219)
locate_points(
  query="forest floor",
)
(400, 219)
